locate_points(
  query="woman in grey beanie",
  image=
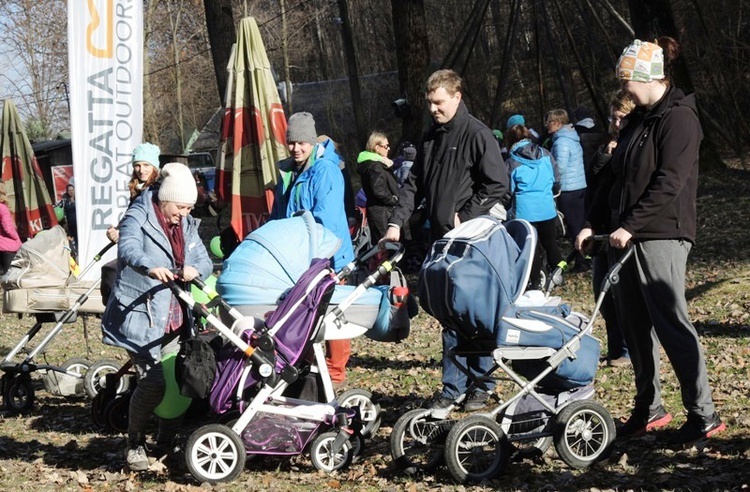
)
(310, 179)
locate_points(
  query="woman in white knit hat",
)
(157, 237)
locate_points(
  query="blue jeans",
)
(455, 382)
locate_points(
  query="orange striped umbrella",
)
(253, 135)
(28, 197)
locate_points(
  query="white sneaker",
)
(136, 458)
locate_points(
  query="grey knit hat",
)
(177, 184)
(301, 128)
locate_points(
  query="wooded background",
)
(348, 60)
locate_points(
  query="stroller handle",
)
(397, 252)
(265, 368)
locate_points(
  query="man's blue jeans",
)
(455, 382)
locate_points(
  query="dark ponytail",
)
(671, 49)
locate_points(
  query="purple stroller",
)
(255, 372)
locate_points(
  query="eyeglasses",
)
(385, 146)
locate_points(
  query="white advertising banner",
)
(105, 55)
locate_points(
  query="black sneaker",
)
(476, 401)
(696, 428)
(641, 421)
(441, 402)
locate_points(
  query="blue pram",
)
(473, 281)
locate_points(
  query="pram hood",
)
(43, 261)
(272, 258)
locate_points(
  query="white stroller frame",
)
(216, 453)
(582, 430)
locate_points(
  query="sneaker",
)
(442, 402)
(619, 362)
(641, 422)
(696, 428)
(476, 401)
(137, 458)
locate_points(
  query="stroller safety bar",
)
(265, 368)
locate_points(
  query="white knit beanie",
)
(177, 184)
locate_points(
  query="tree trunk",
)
(222, 35)
(654, 18)
(350, 51)
(413, 59)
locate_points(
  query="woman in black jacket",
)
(378, 182)
(652, 204)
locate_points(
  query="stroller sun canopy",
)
(272, 258)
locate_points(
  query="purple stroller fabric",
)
(291, 341)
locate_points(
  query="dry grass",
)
(57, 446)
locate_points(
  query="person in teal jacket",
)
(312, 180)
(533, 182)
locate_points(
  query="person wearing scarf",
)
(158, 242)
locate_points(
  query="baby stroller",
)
(40, 282)
(256, 368)
(270, 261)
(537, 342)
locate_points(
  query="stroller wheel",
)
(98, 405)
(476, 449)
(532, 448)
(325, 458)
(96, 377)
(369, 410)
(215, 453)
(116, 413)
(584, 432)
(58, 382)
(418, 440)
(18, 393)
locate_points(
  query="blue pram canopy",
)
(272, 258)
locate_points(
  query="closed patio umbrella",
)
(253, 135)
(28, 196)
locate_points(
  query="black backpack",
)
(195, 365)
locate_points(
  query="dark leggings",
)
(547, 233)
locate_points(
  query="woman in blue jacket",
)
(157, 237)
(533, 178)
(312, 180)
(568, 154)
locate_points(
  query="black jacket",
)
(458, 170)
(382, 190)
(655, 172)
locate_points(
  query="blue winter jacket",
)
(532, 175)
(137, 310)
(319, 189)
(568, 153)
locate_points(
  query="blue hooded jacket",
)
(532, 175)
(568, 153)
(319, 189)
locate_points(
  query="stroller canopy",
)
(272, 258)
(43, 261)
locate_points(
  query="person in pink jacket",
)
(9, 240)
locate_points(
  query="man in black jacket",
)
(460, 172)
